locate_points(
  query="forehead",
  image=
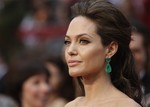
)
(137, 40)
(80, 25)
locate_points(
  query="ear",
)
(111, 49)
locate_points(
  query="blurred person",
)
(125, 7)
(7, 101)
(142, 11)
(27, 83)
(54, 46)
(138, 8)
(140, 46)
(3, 67)
(147, 100)
(3, 71)
(135, 10)
(97, 53)
(62, 86)
(1, 5)
(62, 13)
(33, 23)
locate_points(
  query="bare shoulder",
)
(128, 102)
(69, 104)
(73, 103)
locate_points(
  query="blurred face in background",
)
(56, 78)
(35, 91)
(138, 50)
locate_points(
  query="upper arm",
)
(129, 103)
(73, 103)
(134, 105)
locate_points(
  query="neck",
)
(97, 87)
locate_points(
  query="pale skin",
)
(138, 50)
(85, 56)
(35, 91)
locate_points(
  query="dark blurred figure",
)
(62, 13)
(27, 82)
(7, 101)
(125, 6)
(3, 66)
(140, 46)
(135, 10)
(147, 100)
(3, 71)
(11, 14)
(33, 23)
(62, 85)
(146, 16)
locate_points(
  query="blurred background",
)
(29, 24)
(35, 29)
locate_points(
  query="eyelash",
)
(67, 42)
(81, 41)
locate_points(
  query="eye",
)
(36, 82)
(67, 42)
(84, 42)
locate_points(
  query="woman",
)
(28, 83)
(97, 52)
(140, 47)
(62, 87)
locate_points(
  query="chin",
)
(76, 73)
(73, 74)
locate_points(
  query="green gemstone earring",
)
(108, 68)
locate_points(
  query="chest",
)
(96, 104)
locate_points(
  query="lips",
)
(72, 63)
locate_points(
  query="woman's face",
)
(84, 52)
(35, 91)
(138, 50)
(56, 77)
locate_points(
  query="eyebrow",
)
(79, 35)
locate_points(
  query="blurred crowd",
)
(33, 72)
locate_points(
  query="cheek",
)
(29, 92)
(95, 59)
(55, 81)
(139, 57)
(66, 54)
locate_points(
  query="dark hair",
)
(113, 26)
(66, 88)
(19, 73)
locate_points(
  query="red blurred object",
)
(44, 33)
(146, 16)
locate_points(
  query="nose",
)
(45, 88)
(72, 49)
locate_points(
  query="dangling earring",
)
(108, 68)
